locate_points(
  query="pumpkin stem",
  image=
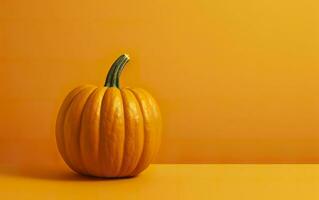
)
(112, 79)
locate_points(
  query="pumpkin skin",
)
(108, 131)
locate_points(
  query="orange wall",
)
(237, 81)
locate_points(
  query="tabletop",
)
(170, 181)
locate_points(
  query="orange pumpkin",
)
(109, 131)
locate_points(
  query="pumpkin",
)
(108, 131)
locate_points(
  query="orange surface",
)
(237, 81)
(183, 182)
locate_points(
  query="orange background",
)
(237, 81)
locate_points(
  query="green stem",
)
(120, 69)
(112, 79)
